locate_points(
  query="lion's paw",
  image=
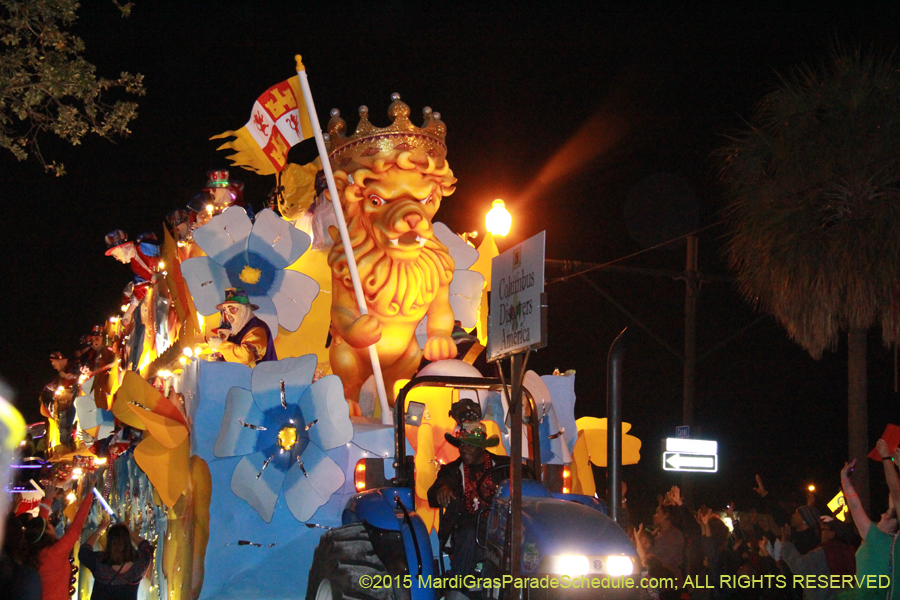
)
(363, 332)
(355, 409)
(440, 347)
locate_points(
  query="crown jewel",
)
(369, 143)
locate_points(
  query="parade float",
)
(253, 372)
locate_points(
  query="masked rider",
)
(247, 338)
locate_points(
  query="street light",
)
(498, 220)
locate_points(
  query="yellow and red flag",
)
(279, 120)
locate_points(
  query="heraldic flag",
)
(278, 121)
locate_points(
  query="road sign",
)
(683, 431)
(688, 446)
(697, 463)
(684, 454)
(516, 320)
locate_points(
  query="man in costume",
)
(179, 223)
(141, 255)
(247, 338)
(223, 191)
(456, 486)
(56, 400)
(96, 361)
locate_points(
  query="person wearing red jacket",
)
(53, 553)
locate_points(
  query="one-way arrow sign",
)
(678, 461)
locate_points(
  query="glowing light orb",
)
(498, 220)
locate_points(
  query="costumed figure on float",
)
(56, 402)
(96, 361)
(391, 182)
(143, 256)
(247, 338)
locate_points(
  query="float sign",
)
(516, 320)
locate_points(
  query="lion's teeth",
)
(422, 241)
(395, 242)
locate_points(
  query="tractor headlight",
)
(573, 565)
(617, 566)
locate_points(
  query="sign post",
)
(516, 325)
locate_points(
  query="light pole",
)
(498, 222)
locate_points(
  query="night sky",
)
(562, 110)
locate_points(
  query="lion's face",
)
(402, 265)
(396, 207)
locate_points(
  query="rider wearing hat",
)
(142, 255)
(247, 338)
(96, 361)
(456, 486)
(56, 400)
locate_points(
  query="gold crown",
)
(369, 143)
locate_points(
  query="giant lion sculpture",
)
(391, 182)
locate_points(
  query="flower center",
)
(250, 275)
(287, 437)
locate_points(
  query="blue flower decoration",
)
(282, 428)
(253, 256)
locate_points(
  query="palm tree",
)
(814, 212)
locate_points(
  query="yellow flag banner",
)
(279, 120)
(838, 506)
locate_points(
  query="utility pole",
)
(691, 293)
(614, 393)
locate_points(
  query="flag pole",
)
(345, 236)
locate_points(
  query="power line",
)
(638, 253)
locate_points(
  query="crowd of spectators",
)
(770, 552)
(37, 557)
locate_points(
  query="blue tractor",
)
(383, 550)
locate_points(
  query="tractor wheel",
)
(343, 556)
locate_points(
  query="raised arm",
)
(104, 523)
(851, 498)
(65, 544)
(642, 554)
(46, 505)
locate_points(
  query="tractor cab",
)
(569, 547)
